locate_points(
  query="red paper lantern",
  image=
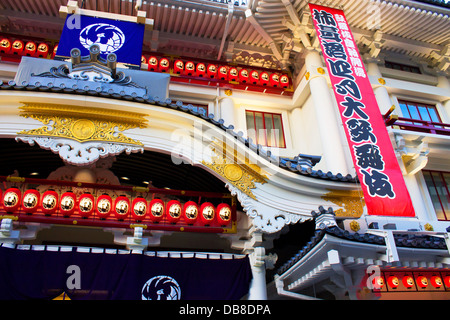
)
(284, 81)
(139, 209)
(143, 60)
(201, 69)
(42, 50)
(190, 212)
(447, 281)
(49, 202)
(17, 47)
(104, 206)
(54, 51)
(67, 204)
(232, 74)
(156, 210)
(121, 207)
(152, 64)
(254, 77)
(393, 281)
(173, 211)
(86, 205)
(212, 71)
(30, 201)
(5, 45)
(436, 281)
(274, 80)
(164, 65)
(243, 75)
(11, 200)
(408, 281)
(224, 214)
(422, 281)
(223, 73)
(189, 68)
(264, 78)
(378, 283)
(178, 67)
(30, 49)
(207, 213)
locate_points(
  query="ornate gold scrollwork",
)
(352, 202)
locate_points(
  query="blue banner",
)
(113, 36)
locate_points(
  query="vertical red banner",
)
(384, 188)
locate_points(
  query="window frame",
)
(416, 105)
(443, 181)
(263, 113)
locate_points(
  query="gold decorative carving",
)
(382, 81)
(354, 226)
(352, 202)
(320, 70)
(428, 227)
(82, 123)
(307, 75)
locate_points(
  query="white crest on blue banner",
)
(109, 38)
(161, 288)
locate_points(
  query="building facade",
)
(222, 155)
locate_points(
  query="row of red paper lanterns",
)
(30, 48)
(422, 281)
(121, 207)
(214, 71)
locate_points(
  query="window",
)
(265, 128)
(402, 67)
(419, 111)
(438, 184)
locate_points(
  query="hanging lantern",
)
(207, 213)
(152, 64)
(422, 281)
(408, 281)
(447, 281)
(264, 78)
(254, 77)
(201, 69)
(30, 49)
(67, 203)
(121, 207)
(86, 205)
(232, 74)
(378, 282)
(274, 80)
(178, 67)
(224, 214)
(104, 206)
(17, 47)
(173, 211)
(54, 51)
(139, 209)
(49, 202)
(164, 65)
(5, 45)
(436, 281)
(284, 81)
(223, 73)
(190, 212)
(393, 282)
(212, 71)
(189, 68)
(156, 209)
(243, 75)
(143, 60)
(42, 50)
(11, 200)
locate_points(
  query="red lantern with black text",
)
(164, 65)
(67, 203)
(274, 80)
(30, 201)
(264, 78)
(173, 211)
(408, 281)
(201, 69)
(17, 47)
(104, 206)
(254, 77)
(422, 281)
(232, 74)
(436, 281)
(393, 282)
(223, 73)
(121, 207)
(178, 67)
(30, 49)
(447, 281)
(86, 205)
(156, 210)
(49, 202)
(143, 60)
(190, 212)
(378, 283)
(42, 50)
(223, 212)
(212, 71)
(54, 51)
(139, 209)
(243, 75)
(189, 68)
(207, 213)
(284, 81)
(11, 200)
(152, 64)
(5, 45)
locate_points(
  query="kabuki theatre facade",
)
(224, 150)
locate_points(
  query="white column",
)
(443, 82)
(381, 93)
(227, 112)
(327, 120)
(296, 124)
(258, 287)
